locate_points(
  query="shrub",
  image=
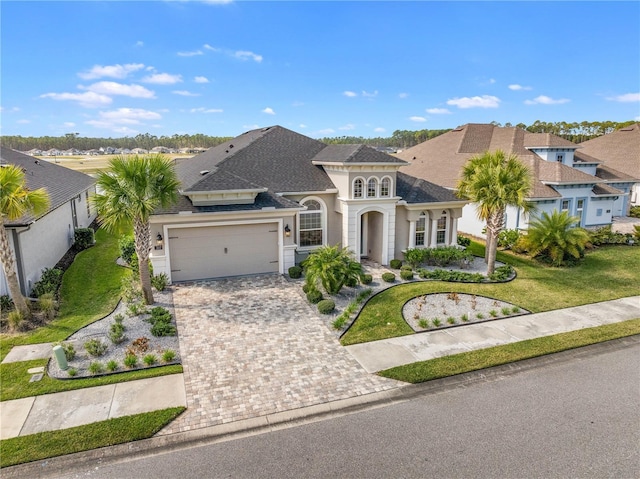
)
(306, 288)
(493, 313)
(406, 267)
(463, 241)
(502, 273)
(96, 367)
(83, 238)
(326, 306)
(49, 282)
(118, 318)
(95, 347)
(69, 351)
(136, 309)
(436, 322)
(331, 267)
(388, 277)
(295, 272)
(406, 274)
(160, 328)
(508, 238)
(116, 333)
(127, 246)
(150, 359)
(112, 365)
(515, 310)
(366, 279)
(6, 303)
(47, 305)
(159, 314)
(339, 321)
(480, 316)
(140, 345)
(351, 282)
(15, 320)
(130, 360)
(395, 263)
(464, 318)
(364, 294)
(130, 289)
(605, 235)
(159, 281)
(423, 323)
(415, 256)
(72, 372)
(634, 211)
(451, 320)
(168, 356)
(314, 296)
(454, 276)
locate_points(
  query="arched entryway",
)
(372, 237)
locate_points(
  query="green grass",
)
(90, 290)
(498, 355)
(606, 273)
(120, 430)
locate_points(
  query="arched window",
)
(358, 188)
(385, 187)
(441, 229)
(311, 231)
(372, 188)
(421, 224)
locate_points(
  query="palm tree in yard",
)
(494, 181)
(332, 267)
(16, 200)
(130, 191)
(556, 237)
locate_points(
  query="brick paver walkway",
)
(253, 346)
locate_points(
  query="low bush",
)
(314, 296)
(463, 241)
(508, 238)
(453, 276)
(436, 322)
(168, 356)
(423, 323)
(47, 304)
(72, 372)
(49, 282)
(366, 279)
(634, 211)
(161, 328)
(605, 235)
(406, 267)
(112, 365)
(69, 351)
(136, 309)
(96, 367)
(150, 359)
(395, 263)
(139, 345)
(406, 274)
(83, 238)
(295, 272)
(502, 273)
(351, 282)
(95, 347)
(159, 314)
(415, 256)
(326, 306)
(6, 303)
(116, 333)
(451, 320)
(131, 361)
(388, 277)
(364, 294)
(127, 247)
(159, 281)
(340, 321)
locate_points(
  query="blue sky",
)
(113, 69)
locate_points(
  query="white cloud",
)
(379, 130)
(492, 81)
(139, 43)
(370, 95)
(269, 111)
(23, 122)
(403, 95)
(438, 111)
(68, 124)
(302, 125)
(87, 99)
(184, 93)
(637, 118)
(194, 53)
(418, 119)
(162, 79)
(626, 98)
(114, 88)
(545, 100)
(209, 47)
(201, 79)
(297, 104)
(206, 110)
(111, 71)
(119, 120)
(125, 130)
(246, 55)
(217, 2)
(326, 131)
(347, 127)
(516, 87)
(484, 101)
(350, 94)
(250, 127)
(12, 109)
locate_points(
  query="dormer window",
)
(560, 158)
(358, 187)
(372, 188)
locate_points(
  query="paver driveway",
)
(253, 346)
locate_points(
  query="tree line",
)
(400, 139)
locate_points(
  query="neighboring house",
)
(41, 242)
(620, 151)
(263, 200)
(563, 178)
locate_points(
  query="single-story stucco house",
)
(265, 199)
(564, 177)
(40, 242)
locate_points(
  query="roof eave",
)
(209, 192)
(366, 163)
(318, 192)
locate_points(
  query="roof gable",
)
(619, 150)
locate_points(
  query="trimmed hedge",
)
(326, 306)
(388, 277)
(83, 238)
(366, 279)
(406, 274)
(314, 296)
(295, 272)
(395, 263)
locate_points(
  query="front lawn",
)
(609, 272)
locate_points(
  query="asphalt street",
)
(578, 418)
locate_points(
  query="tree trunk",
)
(8, 264)
(494, 226)
(142, 235)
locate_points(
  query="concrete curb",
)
(47, 468)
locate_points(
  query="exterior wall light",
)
(287, 231)
(159, 242)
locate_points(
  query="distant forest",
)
(576, 132)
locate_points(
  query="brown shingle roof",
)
(619, 150)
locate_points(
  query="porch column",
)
(434, 233)
(454, 231)
(412, 234)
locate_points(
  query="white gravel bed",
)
(135, 327)
(443, 306)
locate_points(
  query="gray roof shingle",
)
(619, 150)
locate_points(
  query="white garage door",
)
(218, 251)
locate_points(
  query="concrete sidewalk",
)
(387, 353)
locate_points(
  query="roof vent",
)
(230, 146)
(204, 172)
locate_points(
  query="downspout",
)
(18, 255)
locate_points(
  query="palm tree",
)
(332, 267)
(556, 237)
(130, 191)
(494, 181)
(16, 200)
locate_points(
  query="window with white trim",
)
(564, 205)
(385, 187)
(358, 187)
(421, 225)
(372, 188)
(311, 230)
(441, 229)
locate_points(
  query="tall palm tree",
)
(556, 237)
(130, 191)
(16, 200)
(332, 267)
(494, 181)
